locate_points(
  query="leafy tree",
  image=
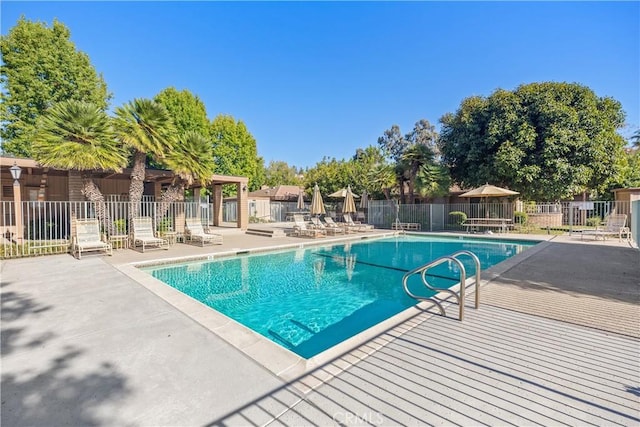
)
(424, 133)
(190, 160)
(146, 127)
(186, 109)
(361, 166)
(280, 173)
(630, 169)
(41, 67)
(235, 150)
(546, 140)
(330, 175)
(393, 143)
(78, 135)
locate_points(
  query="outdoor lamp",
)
(244, 188)
(16, 171)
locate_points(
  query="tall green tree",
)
(144, 126)
(416, 151)
(186, 109)
(280, 173)
(330, 175)
(548, 141)
(235, 151)
(190, 160)
(78, 135)
(41, 66)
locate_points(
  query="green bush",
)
(458, 217)
(520, 218)
(165, 225)
(594, 221)
(120, 226)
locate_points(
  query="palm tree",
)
(146, 127)
(432, 180)
(635, 138)
(78, 135)
(191, 160)
(413, 158)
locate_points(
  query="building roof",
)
(281, 192)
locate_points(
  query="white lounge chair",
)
(318, 224)
(87, 238)
(362, 227)
(144, 235)
(195, 233)
(300, 228)
(332, 224)
(616, 225)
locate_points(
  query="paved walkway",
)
(83, 344)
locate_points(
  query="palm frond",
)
(192, 158)
(77, 135)
(146, 126)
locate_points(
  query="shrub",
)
(593, 221)
(120, 226)
(520, 218)
(458, 217)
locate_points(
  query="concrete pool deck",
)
(84, 344)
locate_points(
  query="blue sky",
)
(314, 79)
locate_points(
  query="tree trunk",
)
(91, 191)
(136, 188)
(174, 193)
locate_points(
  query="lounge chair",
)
(88, 238)
(329, 230)
(143, 234)
(345, 227)
(300, 228)
(615, 226)
(196, 233)
(362, 227)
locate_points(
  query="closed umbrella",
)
(317, 205)
(365, 200)
(349, 204)
(300, 204)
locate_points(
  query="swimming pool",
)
(310, 299)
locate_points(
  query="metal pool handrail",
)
(458, 295)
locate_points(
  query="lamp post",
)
(16, 171)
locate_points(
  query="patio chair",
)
(362, 227)
(614, 226)
(300, 228)
(144, 235)
(345, 227)
(195, 232)
(87, 238)
(329, 230)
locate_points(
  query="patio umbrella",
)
(349, 204)
(365, 200)
(485, 191)
(489, 191)
(300, 205)
(317, 205)
(342, 193)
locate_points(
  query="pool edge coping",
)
(282, 362)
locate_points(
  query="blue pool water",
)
(309, 300)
